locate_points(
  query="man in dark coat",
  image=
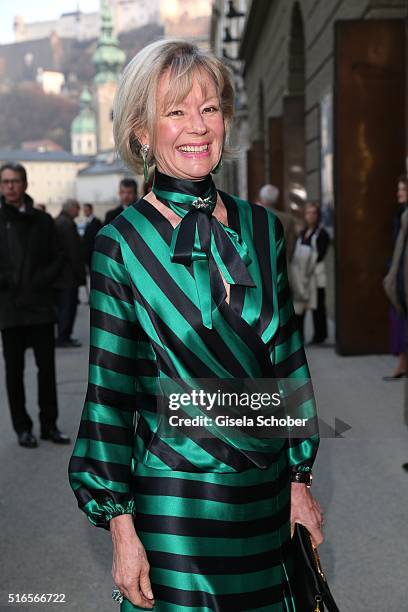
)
(29, 263)
(92, 227)
(72, 275)
(127, 195)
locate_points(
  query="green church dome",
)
(108, 57)
(84, 124)
(85, 121)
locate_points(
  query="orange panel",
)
(369, 155)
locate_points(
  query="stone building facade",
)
(226, 27)
(326, 87)
(288, 49)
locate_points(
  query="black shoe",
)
(405, 466)
(395, 376)
(63, 344)
(27, 439)
(69, 343)
(55, 435)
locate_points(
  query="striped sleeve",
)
(100, 466)
(290, 363)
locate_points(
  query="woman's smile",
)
(195, 150)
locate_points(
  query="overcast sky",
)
(39, 10)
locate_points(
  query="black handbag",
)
(311, 591)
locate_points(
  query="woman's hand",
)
(306, 511)
(130, 568)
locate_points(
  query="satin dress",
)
(213, 516)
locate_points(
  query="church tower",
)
(108, 60)
(83, 127)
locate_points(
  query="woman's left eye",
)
(210, 109)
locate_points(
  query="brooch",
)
(202, 204)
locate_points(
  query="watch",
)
(303, 477)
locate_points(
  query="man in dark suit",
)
(92, 227)
(30, 261)
(127, 195)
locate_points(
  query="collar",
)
(201, 195)
(28, 204)
(201, 241)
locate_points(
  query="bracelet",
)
(303, 477)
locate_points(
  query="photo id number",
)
(36, 598)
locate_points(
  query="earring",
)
(144, 151)
(218, 167)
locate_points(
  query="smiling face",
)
(189, 134)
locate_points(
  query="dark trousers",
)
(301, 323)
(320, 317)
(67, 303)
(15, 342)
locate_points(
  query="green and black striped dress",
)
(212, 515)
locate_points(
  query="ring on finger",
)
(117, 595)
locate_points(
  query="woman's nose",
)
(197, 123)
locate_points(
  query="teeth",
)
(192, 149)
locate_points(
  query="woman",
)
(398, 330)
(309, 273)
(199, 520)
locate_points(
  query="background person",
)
(268, 197)
(164, 304)
(396, 281)
(30, 261)
(309, 276)
(127, 195)
(72, 275)
(92, 227)
(398, 317)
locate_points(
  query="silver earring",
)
(144, 151)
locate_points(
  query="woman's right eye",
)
(175, 113)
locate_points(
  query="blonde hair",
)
(134, 107)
